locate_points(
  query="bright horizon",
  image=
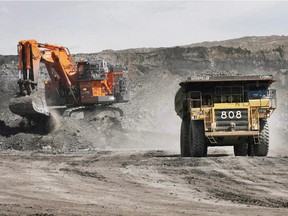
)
(88, 27)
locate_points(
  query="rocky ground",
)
(134, 182)
(130, 165)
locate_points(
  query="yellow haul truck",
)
(225, 111)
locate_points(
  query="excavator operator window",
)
(95, 71)
(94, 68)
(84, 71)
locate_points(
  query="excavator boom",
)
(30, 100)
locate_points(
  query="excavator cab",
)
(92, 70)
(100, 84)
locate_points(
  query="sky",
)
(87, 27)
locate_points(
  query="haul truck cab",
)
(225, 111)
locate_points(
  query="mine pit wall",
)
(187, 61)
(8, 84)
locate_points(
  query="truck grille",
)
(231, 119)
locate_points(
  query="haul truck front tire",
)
(262, 148)
(198, 147)
(184, 138)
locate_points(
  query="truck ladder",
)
(211, 139)
(208, 120)
(256, 139)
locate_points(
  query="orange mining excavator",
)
(72, 84)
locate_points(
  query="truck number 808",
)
(231, 114)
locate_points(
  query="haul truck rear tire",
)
(198, 147)
(184, 138)
(262, 148)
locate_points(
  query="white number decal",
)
(238, 115)
(223, 115)
(231, 115)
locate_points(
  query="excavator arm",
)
(30, 101)
(28, 66)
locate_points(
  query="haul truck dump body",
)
(225, 110)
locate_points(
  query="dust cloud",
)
(149, 120)
(278, 134)
(55, 120)
(278, 122)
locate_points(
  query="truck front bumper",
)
(231, 133)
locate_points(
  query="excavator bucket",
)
(31, 106)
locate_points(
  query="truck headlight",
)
(255, 126)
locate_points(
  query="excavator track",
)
(93, 112)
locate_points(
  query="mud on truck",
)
(225, 111)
